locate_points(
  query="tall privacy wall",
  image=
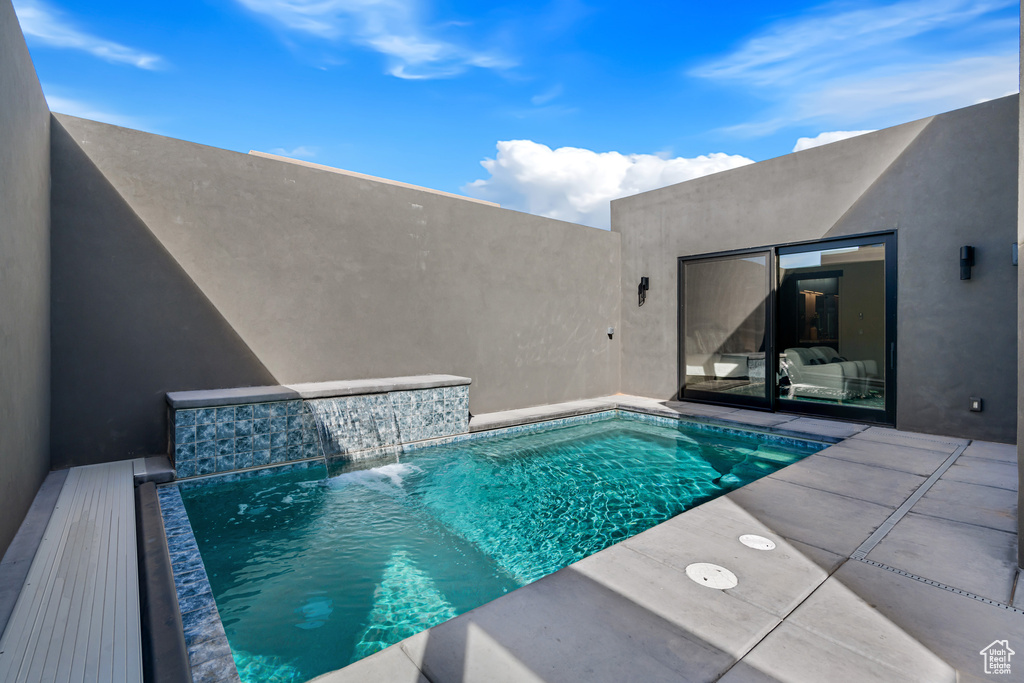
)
(939, 183)
(183, 267)
(1020, 312)
(24, 279)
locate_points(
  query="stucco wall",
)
(1020, 313)
(940, 183)
(24, 279)
(179, 266)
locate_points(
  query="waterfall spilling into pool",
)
(234, 429)
(348, 425)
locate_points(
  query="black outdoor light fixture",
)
(645, 284)
(966, 261)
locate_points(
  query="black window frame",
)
(773, 402)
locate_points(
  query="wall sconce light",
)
(645, 284)
(966, 261)
(611, 331)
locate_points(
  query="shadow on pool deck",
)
(916, 601)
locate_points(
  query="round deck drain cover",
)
(757, 542)
(711, 575)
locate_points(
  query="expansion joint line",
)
(951, 589)
(874, 539)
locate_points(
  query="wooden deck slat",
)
(47, 580)
(42, 638)
(79, 593)
(80, 646)
(77, 619)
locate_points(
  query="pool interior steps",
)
(77, 616)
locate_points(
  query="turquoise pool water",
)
(312, 573)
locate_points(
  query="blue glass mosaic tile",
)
(208, 650)
(257, 435)
(205, 432)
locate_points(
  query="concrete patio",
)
(895, 560)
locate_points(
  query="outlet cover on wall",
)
(975, 405)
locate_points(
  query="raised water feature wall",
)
(235, 429)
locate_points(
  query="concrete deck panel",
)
(990, 450)
(912, 439)
(864, 482)
(725, 619)
(953, 626)
(984, 471)
(796, 655)
(565, 628)
(826, 520)
(959, 501)
(839, 615)
(973, 558)
(775, 581)
(391, 665)
(913, 460)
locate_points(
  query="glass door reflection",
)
(832, 335)
(725, 328)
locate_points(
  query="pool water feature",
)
(311, 573)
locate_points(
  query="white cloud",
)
(546, 96)
(44, 25)
(827, 138)
(86, 110)
(823, 42)
(911, 93)
(577, 185)
(300, 152)
(391, 27)
(877, 64)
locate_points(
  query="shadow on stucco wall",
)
(127, 322)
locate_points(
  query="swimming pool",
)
(311, 573)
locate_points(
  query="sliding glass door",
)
(806, 328)
(835, 337)
(725, 331)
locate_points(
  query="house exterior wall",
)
(939, 183)
(24, 279)
(1020, 317)
(179, 267)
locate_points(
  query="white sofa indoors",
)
(818, 372)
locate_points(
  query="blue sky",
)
(551, 107)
